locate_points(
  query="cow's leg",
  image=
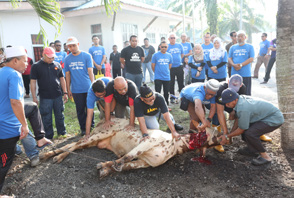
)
(127, 166)
(49, 154)
(76, 146)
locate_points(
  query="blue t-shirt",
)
(78, 68)
(187, 47)
(176, 51)
(206, 49)
(91, 97)
(194, 71)
(222, 71)
(162, 61)
(97, 54)
(239, 54)
(196, 91)
(11, 88)
(60, 56)
(264, 45)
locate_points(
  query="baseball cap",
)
(146, 91)
(72, 40)
(11, 52)
(235, 82)
(213, 85)
(49, 51)
(229, 95)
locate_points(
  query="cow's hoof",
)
(57, 159)
(104, 172)
(99, 166)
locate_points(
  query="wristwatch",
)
(64, 93)
(209, 119)
(241, 65)
(145, 135)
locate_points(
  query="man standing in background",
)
(206, 46)
(262, 57)
(60, 55)
(149, 51)
(233, 36)
(115, 62)
(98, 54)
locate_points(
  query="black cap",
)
(146, 91)
(229, 95)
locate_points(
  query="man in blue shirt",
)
(161, 65)
(255, 118)
(196, 95)
(177, 52)
(96, 93)
(241, 56)
(262, 57)
(273, 48)
(206, 46)
(78, 67)
(186, 45)
(13, 124)
(98, 54)
(60, 55)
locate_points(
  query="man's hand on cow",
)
(223, 140)
(145, 137)
(107, 124)
(86, 137)
(202, 127)
(129, 127)
(176, 136)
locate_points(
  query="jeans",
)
(7, 151)
(151, 73)
(81, 108)
(29, 145)
(136, 78)
(152, 121)
(165, 85)
(214, 118)
(179, 73)
(269, 68)
(46, 107)
(32, 113)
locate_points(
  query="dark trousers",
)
(251, 135)
(269, 68)
(179, 73)
(7, 151)
(32, 113)
(81, 108)
(229, 70)
(116, 72)
(26, 82)
(197, 80)
(247, 83)
(165, 84)
(95, 71)
(124, 71)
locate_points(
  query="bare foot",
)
(43, 142)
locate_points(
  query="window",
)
(97, 30)
(128, 30)
(37, 45)
(151, 37)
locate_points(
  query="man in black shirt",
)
(115, 62)
(149, 51)
(132, 58)
(51, 85)
(147, 106)
(123, 92)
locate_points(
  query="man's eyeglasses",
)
(262, 36)
(172, 37)
(58, 45)
(234, 36)
(163, 46)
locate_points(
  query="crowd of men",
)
(200, 71)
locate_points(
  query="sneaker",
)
(260, 161)
(35, 161)
(264, 82)
(172, 100)
(26, 96)
(254, 77)
(178, 127)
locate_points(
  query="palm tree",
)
(230, 19)
(49, 11)
(285, 70)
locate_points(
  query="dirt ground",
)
(230, 175)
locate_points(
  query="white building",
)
(82, 20)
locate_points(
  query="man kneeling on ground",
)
(148, 106)
(255, 118)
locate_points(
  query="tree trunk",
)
(285, 69)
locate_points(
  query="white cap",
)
(213, 85)
(11, 52)
(241, 32)
(72, 40)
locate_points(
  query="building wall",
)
(17, 27)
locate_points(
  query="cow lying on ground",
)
(127, 145)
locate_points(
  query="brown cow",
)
(154, 151)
